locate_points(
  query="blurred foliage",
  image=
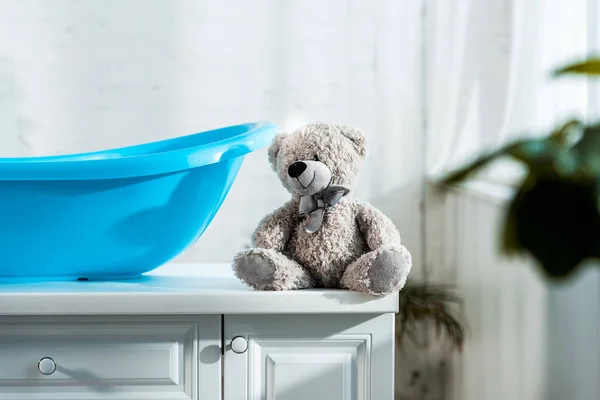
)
(554, 215)
(421, 303)
(591, 66)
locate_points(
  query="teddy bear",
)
(323, 237)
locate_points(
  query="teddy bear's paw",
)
(389, 270)
(255, 269)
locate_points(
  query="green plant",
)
(555, 215)
(437, 304)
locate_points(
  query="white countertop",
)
(181, 289)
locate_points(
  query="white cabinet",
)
(297, 357)
(201, 336)
(110, 358)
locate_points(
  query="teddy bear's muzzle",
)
(308, 177)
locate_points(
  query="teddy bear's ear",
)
(357, 138)
(274, 149)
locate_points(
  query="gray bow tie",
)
(315, 205)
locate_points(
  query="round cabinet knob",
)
(239, 345)
(47, 366)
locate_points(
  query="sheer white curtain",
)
(489, 66)
(488, 75)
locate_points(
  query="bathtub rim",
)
(83, 166)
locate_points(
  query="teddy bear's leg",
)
(379, 272)
(265, 269)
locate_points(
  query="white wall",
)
(79, 75)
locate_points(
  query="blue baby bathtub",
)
(118, 213)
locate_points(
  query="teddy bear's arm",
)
(377, 229)
(273, 230)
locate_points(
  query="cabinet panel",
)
(337, 357)
(337, 368)
(82, 358)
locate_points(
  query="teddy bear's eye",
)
(316, 158)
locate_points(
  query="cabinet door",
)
(110, 358)
(301, 357)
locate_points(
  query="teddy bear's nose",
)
(296, 169)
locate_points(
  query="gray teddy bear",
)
(322, 237)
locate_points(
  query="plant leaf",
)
(556, 221)
(469, 169)
(437, 303)
(568, 134)
(536, 154)
(591, 66)
(587, 150)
